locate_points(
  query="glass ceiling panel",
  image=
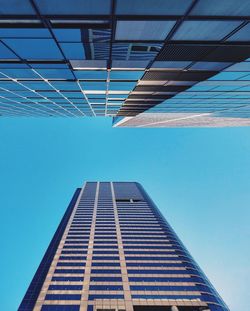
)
(49, 65)
(78, 7)
(67, 35)
(16, 7)
(170, 65)
(128, 64)
(66, 86)
(24, 33)
(73, 94)
(125, 75)
(12, 86)
(35, 48)
(210, 66)
(37, 85)
(20, 73)
(88, 64)
(228, 76)
(243, 66)
(205, 30)
(73, 50)
(6, 53)
(95, 86)
(222, 8)
(143, 30)
(152, 7)
(55, 73)
(123, 86)
(13, 65)
(241, 35)
(91, 74)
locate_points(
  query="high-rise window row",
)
(113, 250)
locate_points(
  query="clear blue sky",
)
(199, 178)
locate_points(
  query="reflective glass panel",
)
(73, 50)
(241, 35)
(68, 35)
(91, 74)
(205, 30)
(143, 30)
(24, 33)
(222, 8)
(126, 75)
(5, 53)
(16, 7)
(78, 7)
(35, 48)
(152, 7)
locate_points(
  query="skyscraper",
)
(113, 250)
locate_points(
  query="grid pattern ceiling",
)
(226, 93)
(113, 57)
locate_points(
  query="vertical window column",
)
(87, 275)
(41, 298)
(125, 281)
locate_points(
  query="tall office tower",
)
(113, 250)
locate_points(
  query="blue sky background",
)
(199, 178)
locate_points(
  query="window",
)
(105, 257)
(106, 287)
(86, 7)
(105, 296)
(72, 258)
(143, 30)
(136, 271)
(71, 271)
(105, 264)
(241, 35)
(60, 308)
(105, 271)
(105, 279)
(73, 252)
(72, 264)
(5, 53)
(152, 7)
(73, 50)
(9, 7)
(34, 48)
(205, 30)
(221, 8)
(62, 297)
(65, 287)
(67, 278)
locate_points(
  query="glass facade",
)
(113, 250)
(114, 57)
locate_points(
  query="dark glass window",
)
(34, 48)
(62, 297)
(73, 264)
(106, 271)
(86, 7)
(60, 308)
(107, 264)
(152, 7)
(65, 271)
(67, 278)
(105, 296)
(65, 287)
(105, 279)
(106, 287)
